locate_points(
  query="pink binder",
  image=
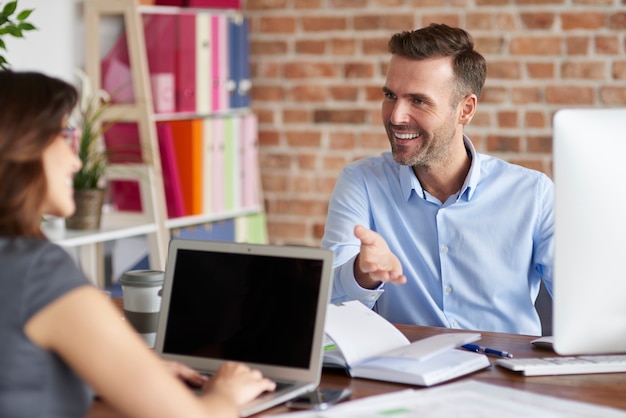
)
(219, 65)
(171, 180)
(186, 63)
(215, 4)
(250, 162)
(217, 186)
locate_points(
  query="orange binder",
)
(188, 151)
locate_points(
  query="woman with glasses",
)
(62, 338)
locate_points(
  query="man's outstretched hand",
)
(376, 263)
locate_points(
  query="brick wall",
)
(319, 65)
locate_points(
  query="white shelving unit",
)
(153, 221)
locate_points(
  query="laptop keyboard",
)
(613, 363)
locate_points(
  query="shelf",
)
(208, 218)
(120, 225)
(114, 226)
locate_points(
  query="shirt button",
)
(444, 249)
(455, 324)
(448, 289)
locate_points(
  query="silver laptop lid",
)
(590, 226)
(263, 305)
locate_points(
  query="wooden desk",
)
(602, 389)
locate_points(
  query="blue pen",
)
(485, 350)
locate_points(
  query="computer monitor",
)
(590, 231)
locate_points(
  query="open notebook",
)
(263, 305)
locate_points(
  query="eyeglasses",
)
(70, 134)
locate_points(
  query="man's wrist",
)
(363, 279)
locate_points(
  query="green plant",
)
(87, 118)
(12, 27)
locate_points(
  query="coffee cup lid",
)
(142, 278)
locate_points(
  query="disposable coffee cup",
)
(141, 292)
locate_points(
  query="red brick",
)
(583, 70)
(375, 46)
(303, 139)
(277, 24)
(527, 45)
(507, 119)
(307, 93)
(266, 93)
(493, 94)
(537, 20)
(535, 119)
(344, 93)
(307, 162)
(540, 69)
(341, 141)
(296, 116)
(489, 44)
(577, 45)
(310, 69)
(526, 95)
(307, 4)
(540, 144)
(613, 96)
(358, 70)
(617, 21)
(619, 70)
(608, 45)
(339, 116)
(501, 143)
(268, 138)
(563, 94)
(323, 23)
(503, 70)
(479, 21)
(347, 4)
(343, 47)
(265, 4)
(268, 47)
(307, 46)
(582, 20)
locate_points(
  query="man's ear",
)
(467, 109)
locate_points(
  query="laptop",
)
(590, 226)
(262, 305)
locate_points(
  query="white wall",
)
(51, 48)
(56, 48)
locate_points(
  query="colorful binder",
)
(186, 63)
(204, 58)
(123, 146)
(187, 142)
(219, 65)
(249, 162)
(239, 62)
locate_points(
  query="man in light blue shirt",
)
(434, 233)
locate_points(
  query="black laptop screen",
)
(243, 307)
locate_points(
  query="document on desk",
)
(468, 399)
(369, 346)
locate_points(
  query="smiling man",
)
(434, 233)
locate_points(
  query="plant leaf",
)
(26, 26)
(15, 31)
(23, 15)
(9, 8)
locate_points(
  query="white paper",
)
(467, 399)
(352, 324)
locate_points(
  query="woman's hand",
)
(238, 382)
(185, 373)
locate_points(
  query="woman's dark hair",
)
(32, 109)
(439, 40)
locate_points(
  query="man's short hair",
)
(440, 40)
